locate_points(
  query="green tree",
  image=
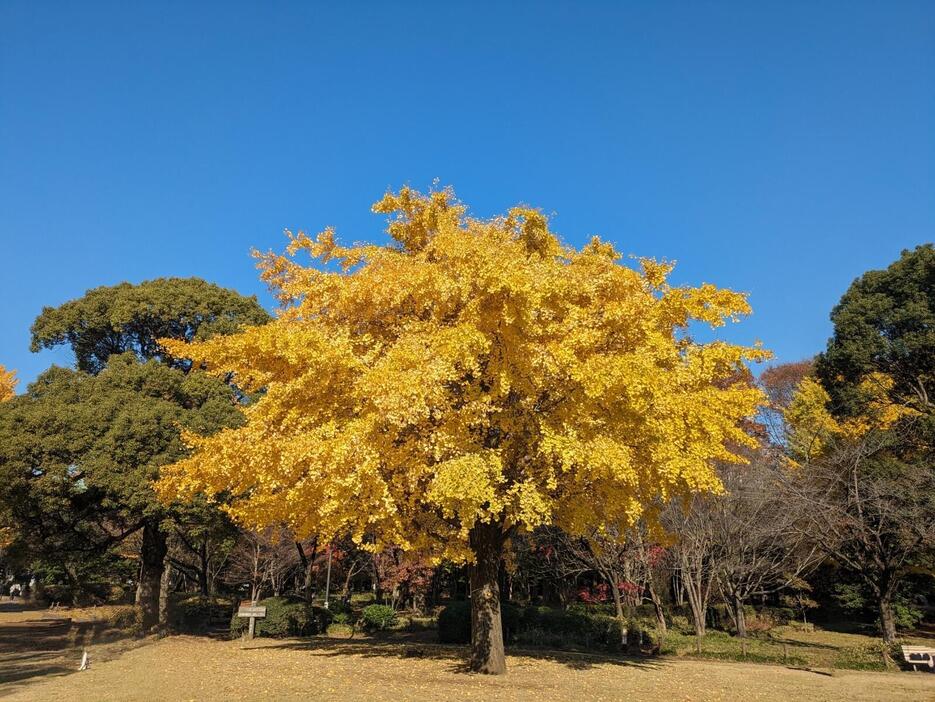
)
(82, 447)
(79, 453)
(885, 324)
(115, 319)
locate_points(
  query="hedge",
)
(197, 614)
(285, 616)
(540, 626)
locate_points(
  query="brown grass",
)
(191, 668)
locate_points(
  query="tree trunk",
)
(307, 564)
(618, 607)
(152, 560)
(739, 618)
(887, 620)
(657, 606)
(164, 598)
(203, 573)
(487, 655)
(698, 608)
(377, 584)
(677, 590)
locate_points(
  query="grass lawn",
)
(789, 645)
(40, 652)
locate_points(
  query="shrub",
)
(454, 623)
(760, 622)
(780, 615)
(378, 616)
(285, 616)
(576, 627)
(124, 617)
(198, 614)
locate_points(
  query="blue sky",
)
(776, 148)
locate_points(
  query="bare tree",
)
(265, 559)
(199, 546)
(694, 554)
(869, 503)
(543, 566)
(759, 547)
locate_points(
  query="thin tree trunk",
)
(618, 608)
(203, 573)
(164, 597)
(699, 608)
(678, 590)
(152, 558)
(657, 606)
(487, 655)
(740, 618)
(887, 619)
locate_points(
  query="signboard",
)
(252, 612)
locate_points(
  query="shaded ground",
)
(39, 644)
(192, 668)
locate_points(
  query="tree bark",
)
(699, 607)
(203, 573)
(487, 655)
(658, 608)
(618, 607)
(887, 620)
(152, 560)
(739, 618)
(164, 597)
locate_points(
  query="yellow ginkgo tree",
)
(7, 384)
(468, 380)
(813, 430)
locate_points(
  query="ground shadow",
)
(456, 656)
(38, 644)
(810, 670)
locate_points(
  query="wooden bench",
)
(919, 655)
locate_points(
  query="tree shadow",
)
(38, 648)
(810, 670)
(458, 657)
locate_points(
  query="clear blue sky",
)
(776, 148)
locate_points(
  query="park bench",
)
(919, 655)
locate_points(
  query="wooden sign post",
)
(252, 612)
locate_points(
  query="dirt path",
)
(190, 668)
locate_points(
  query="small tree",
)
(694, 555)
(760, 549)
(470, 380)
(262, 560)
(866, 508)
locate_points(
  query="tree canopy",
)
(474, 371)
(116, 319)
(884, 324)
(472, 377)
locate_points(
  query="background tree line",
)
(833, 515)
